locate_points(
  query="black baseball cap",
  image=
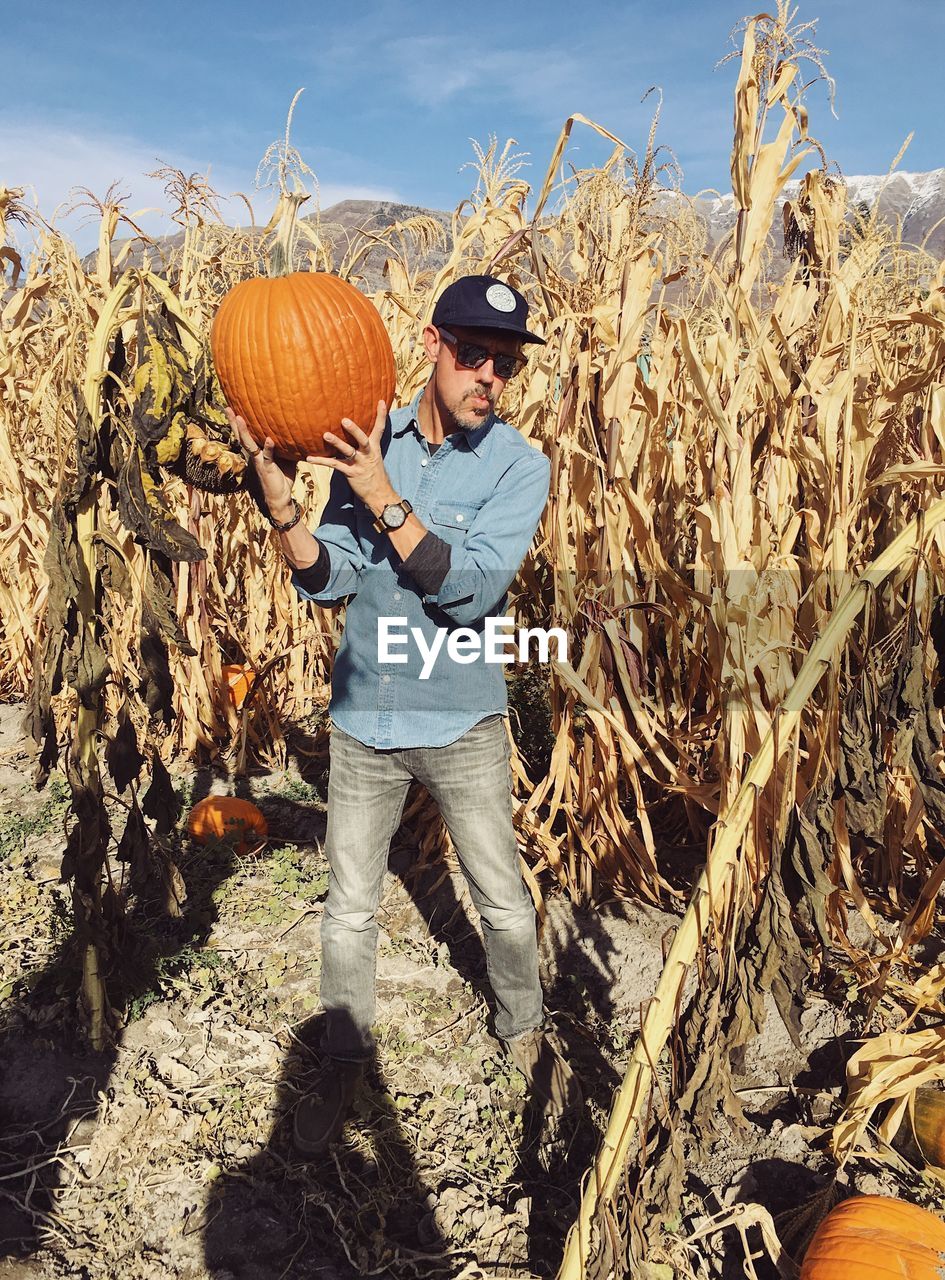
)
(482, 302)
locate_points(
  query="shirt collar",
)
(475, 439)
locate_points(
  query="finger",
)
(242, 432)
(355, 432)
(381, 418)
(336, 464)
(237, 423)
(344, 447)
(267, 456)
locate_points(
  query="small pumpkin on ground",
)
(238, 679)
(227, 818)
(297, 353)
(928, 1125)
(876, 1238)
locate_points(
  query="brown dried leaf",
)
(122, 755)
(888, 1068)
(161, 802)
(144, 511)
(157, 684)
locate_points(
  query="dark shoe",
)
(552, 1084)
(321, 1115)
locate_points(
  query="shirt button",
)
(424, 462)
(396, 595)
(459, 517)
(387, 679)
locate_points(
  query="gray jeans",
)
(470, 782)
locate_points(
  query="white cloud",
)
(547, 83)
(538, 80)
(52, 160)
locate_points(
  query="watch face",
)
(393, 516)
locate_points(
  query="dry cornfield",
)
(743, 542)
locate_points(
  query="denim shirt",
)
(483, 492)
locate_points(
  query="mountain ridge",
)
(916, 200)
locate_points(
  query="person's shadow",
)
(359, 1209)
(364, 1207)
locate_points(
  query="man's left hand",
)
(359, 458)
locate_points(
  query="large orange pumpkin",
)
(227, 818)
(297, 353)
(876, 1238)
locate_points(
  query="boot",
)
(552, 1084)
(321, 1114)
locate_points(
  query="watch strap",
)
(379, 524)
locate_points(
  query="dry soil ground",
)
(169, 1156)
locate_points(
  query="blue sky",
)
(393, 92)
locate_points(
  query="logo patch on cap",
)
(500, 297)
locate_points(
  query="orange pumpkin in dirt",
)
(876, 1238)
(227, 818)
(928, 1125)
(297, 353)
(238, 680)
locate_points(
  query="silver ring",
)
(352, 454)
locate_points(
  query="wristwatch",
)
(393, 516)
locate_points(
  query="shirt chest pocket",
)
(451, 520)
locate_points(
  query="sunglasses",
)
(471, 355)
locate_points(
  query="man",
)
(428, 519)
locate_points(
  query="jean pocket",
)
(339, 741)
(492, 734)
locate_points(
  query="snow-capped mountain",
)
(917, 200)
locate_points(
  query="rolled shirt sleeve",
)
(314, 577)
(337, 536)
(429, 563)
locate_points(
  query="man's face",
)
(468, 396)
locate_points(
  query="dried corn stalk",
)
(729, 445)
(887, 1068)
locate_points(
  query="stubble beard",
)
(465, 418)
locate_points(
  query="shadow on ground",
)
(50, 1081)
(366, 1206)
(360, 1209)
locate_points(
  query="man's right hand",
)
(275, 476)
